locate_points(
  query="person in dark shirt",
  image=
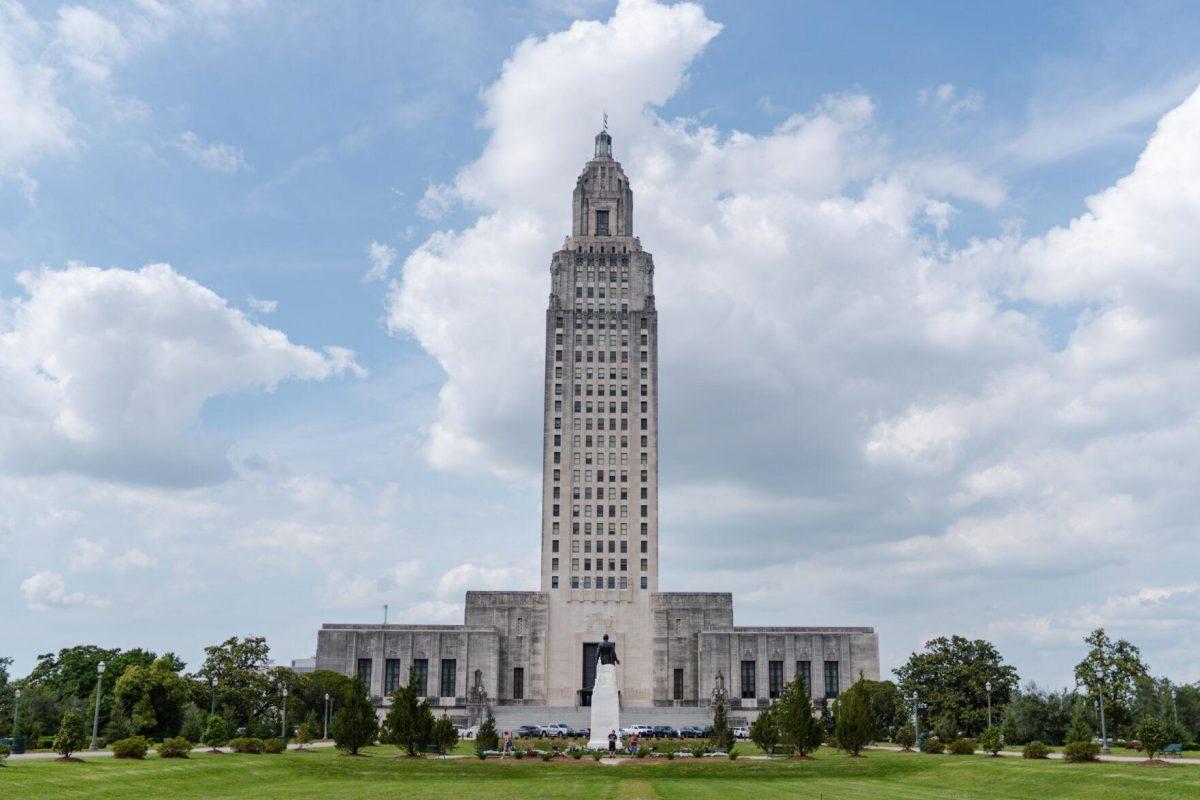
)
(612, 743)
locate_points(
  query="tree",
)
(1154, 735)
(793, 711)
(409, 722)
(355, 726)
(242, 669)
(721, 737)
(887, 707)
(71, 735)
(1121, 666)
(1036, 715)
(153, 697)
(764, 731)
(1079, 731)
(194, 720)
(487, 738)
(118, 727)
(216, 732)
(304, 734)
(444, 735)
(905, 737)
(992, 740)
(852, 719)
(950, 676)
(70, 674)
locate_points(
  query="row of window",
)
(598, 458)
(587, 528)
(613, 583)
(392, 675)
(587, 546)
(599, 292)
(579, 388)
(558, 323)
(592, 276)
(775, 678)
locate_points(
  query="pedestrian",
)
(633, 743)
(612, 743)
(508, 745)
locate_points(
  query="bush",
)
(597, 755)
(519, 754)
(698, 751)
(641, 753)
(355, 726)
(962, 747)
(273, 746)
(578, 754)
(45, 742)
(1036, 750)
(934, 745)
(1153, 735)
(246, 744)
(5, 752)
(178, 747)
(991, 740)
(131, 747)
(905, 737)
(547, 756)
(670, 755)
(71, 737)
(733, 754)
(1079, 752)
(216, 733)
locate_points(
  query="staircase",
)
(513, 717)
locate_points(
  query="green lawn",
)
(831, 776)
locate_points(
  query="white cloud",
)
(92, 43)
(456, 581)
(947, 99)
(213, 156)
(47, 590)
(382, 257)
(341, 590)
(134, 559)
(85, 554)
(104, 372)
(438, 199)
(262, 306)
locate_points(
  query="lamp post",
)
(96, 713)
(283, 727)
(212, 704)
(1174, 707)
(326, 736)
(1103, 729)
(916, 725)
(17, 709)
(988, 686)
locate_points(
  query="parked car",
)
(741, 733)
(556, 730)
(529, 732)
(663, 732)
(577, 733)
(465, 732)
(690, 732)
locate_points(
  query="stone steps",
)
(512, 717)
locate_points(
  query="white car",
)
(640, 730)
(741, 733)
(556, 730)
(467, 733)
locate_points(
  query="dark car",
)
(663, 732)
(577, 733)
(691, 732)
(529, 732)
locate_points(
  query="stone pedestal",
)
(606, 707)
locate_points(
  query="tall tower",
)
(600, 459)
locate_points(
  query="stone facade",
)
(599, 545)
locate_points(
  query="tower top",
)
(604, 142)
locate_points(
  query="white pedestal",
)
(606, 707)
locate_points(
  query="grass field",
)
(381, 773)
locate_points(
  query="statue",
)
(608, 652)
(718, 692)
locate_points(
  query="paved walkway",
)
(40, 756)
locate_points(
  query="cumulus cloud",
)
(213, 156)
(47, 590)
(456, 581)
(104, 372)
(892, 410)
(262, 306)
(382, 257)
(348, 591)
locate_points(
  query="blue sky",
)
(895, 355)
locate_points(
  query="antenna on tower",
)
(385, 613)
(605, 120)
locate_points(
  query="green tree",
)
(70, 674)
(1036, 715)
(764, 731)
(487, 738)
(950, 676)
(194, 720)
(409, 722)
(153, 697)
(118, 727)
(793, 711)
(1079, 730)
(355, 726)
(905, 737)
(71, 736)
(722, 735)
(992, 740)
(242, 667)
(853, 722)
(1154, 735)
(304, 734)
(444, 735)
(216, 732)
(1120, 665)
(887, 707)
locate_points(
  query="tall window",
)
(602, 223)
(518, 691)
(748, 688)
(678, 683)
(804, 668)
(774, 678)
(391, 675)
(421, 665)
(364, 672)
(831, 680)
(449, 673)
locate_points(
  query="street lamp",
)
(96, 713)
(212, 704)
(988, 686)
(326, 736)
(283, 728)
(916, 725)
(1103, 729)
(17, 709)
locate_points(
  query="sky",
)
(272, 278)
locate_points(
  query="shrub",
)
(733, 754)
(641, 753)
(962, 747)
(71, 736)
(853, 723)
(519, 754)
(178, 747)
(216, 734)
(131, 747)
(246, 744)
(1153, 735)
(934, 745)
(764, 731)
(45, 742)
(487, 738)
(698, 751)
(576, 754)
(1036, 750)
(355, 726)
(1079, 752)
(991, 740)
(273, 746)
(304, 735)
(5, 752)
(905, 737)
(547, 756)
(597, 755)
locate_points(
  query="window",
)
(774, 678)
(391, 675)
(804, 669)
(678, 693)
(748, 689)
(602, 223)
(644, 582)
(518, 691)
(364, 672)
(421, 665)
(553, 581)
(831, 680)
(449, 673)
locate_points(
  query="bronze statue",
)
(608, 652)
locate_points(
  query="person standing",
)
(612, 743)
(508, 745)
(633, 743)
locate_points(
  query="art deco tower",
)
(600, 462)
